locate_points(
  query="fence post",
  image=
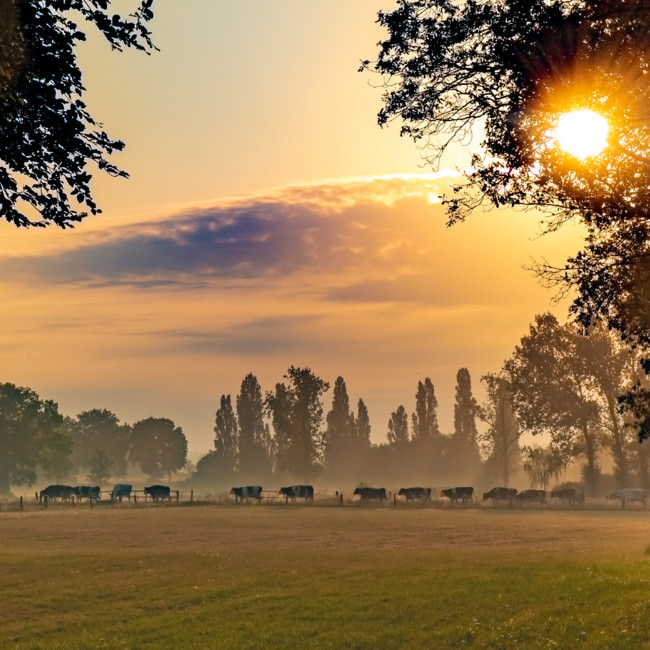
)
(20, 503)
(192, 495)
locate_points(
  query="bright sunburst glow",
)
(582, 133)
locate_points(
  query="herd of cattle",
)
(93, 493)
(464, 495)
(455, 495)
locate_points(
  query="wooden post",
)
(20, 503)
(192, 495)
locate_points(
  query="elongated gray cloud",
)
(338, 226)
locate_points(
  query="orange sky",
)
(268, 222)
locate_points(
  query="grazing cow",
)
(370, 494)
(53, 492)
(90, 492)
(246, 492)
(627, 495)
(532, 496)
(500, 494)
(157, 492)
(294, 492)
(121, 491)
(571, 496)
(458, 494)
(415, 493)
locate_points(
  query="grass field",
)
(324, 577)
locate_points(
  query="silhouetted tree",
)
(31, 434)
(464, 443)
(297, 412)
(609, 365)
(340, 426)
(398, 428)
(255, 447)
(362, 424)
(511, 69)
(501, 440)
(158, 446)
(543, 464)
(99, 431)
(551, 392)
(100, 468)
(47, 136)
(225, 437)
(425, 418)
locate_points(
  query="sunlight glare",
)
(582, 133)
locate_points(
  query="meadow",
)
(222, 576)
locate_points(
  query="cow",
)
(246, 492)
(54, 492)
(90, 492)
(627, 495)
(571, 496)
(500, 494)
(458, 494)
(121, 491)
(294, 492)
(157, 492)
(532, 496)
(415, 493)
(370, 493)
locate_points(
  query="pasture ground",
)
(324, 577)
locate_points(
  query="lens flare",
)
(582, 133)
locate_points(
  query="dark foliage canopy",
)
(48, 138)
(509, 69)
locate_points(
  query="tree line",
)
(40, 443)
(561, 386)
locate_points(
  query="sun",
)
(582, 133)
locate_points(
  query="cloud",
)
(340, 226)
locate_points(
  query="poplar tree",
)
(398, 428)
(254, 436)
(362, 425)
(501, 440)
(425, 418)
(340, 426)
(225, 437)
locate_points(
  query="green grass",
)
(310, 577)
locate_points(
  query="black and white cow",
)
(56, 492)
(628, 495)
(532, 496)
(415, 493)
(294, 492)
(571, 496)
(246, 492)
(121, 491)
(457, 494)
(371, 494)
(157, 492)
(500, 494)
(90, 492)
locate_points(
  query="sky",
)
(268, 222)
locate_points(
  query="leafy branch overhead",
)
(48, 138)
(510, 70)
